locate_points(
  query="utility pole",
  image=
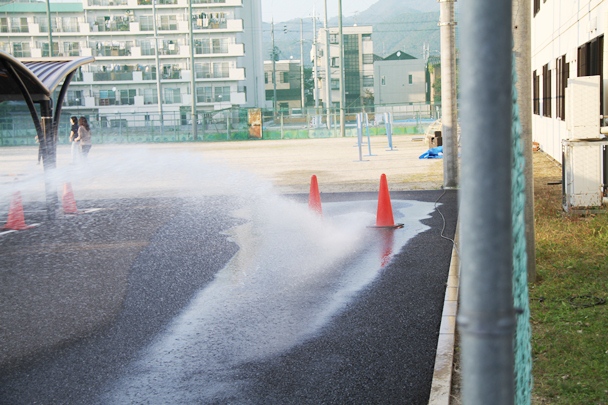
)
(341, 69)
(48, 16)
(486, 317)
(192, 76)
(156, 50)
(316, 66)
(327, 71)
(302, 65)
(449, 115)
(522, 54)
(274, 72)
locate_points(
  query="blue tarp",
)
(433, 153)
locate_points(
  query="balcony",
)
(112, 76)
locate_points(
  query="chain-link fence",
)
(17, 128)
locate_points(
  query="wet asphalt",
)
(380, 349)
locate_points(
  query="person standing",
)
(84, 136)
(73, 135)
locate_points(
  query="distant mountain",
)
(404, 25)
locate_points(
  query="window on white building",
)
(150, 96)
(172, 96)
(222, 94)
(204, 94)
(22, 50)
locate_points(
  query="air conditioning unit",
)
(583, 107)
(582, 183)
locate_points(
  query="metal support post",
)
(486, 318)
(449, 118)
(48, 145)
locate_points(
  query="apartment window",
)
(284, 77)
(150, 96)
(266, 77)
(383, 80)
(127, 97)
(146, 23)
(368, 81)
(19, 24)
(410, 79)
(147, 48)
(546, 91)
(107, 97)
(366, 37)
(202, 46)
(536, 93)
(3, 24)
(221, 70)
(335, 84)
(204, 94)
(220, 45)
(222, 93)
(74, 98)
(335, 62)
(368, 58)
(68, 24)
(22, 50)
(562, 74)
(172, 96)
(334, 39)
(71, 49)
(168, 23)
(45, 48)
(202, 70)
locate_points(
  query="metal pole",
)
(156, 50)
(449, 118)
(522, 51)
(274, 73)
(49, 157)
(48, 16)
(302, 95)
(327, 71)
(192, 78)
(341, 68)
(316, 72)
(486, 318)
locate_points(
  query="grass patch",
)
(569, 321)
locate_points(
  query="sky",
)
(283, 10)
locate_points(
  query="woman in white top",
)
(84, 136)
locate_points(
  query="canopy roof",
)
(40, 76)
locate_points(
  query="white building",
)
(358, 66)
(142, 49)
(569, 91)
(400, 80)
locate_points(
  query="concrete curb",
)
(444, 359)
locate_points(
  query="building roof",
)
(41, 8)
(40, 76)
(399, 55)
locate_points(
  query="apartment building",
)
(288, 84)
(358, 66)
(142, 48)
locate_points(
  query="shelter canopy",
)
(40, 76)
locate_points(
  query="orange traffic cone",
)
(16, 219)
(384, 216)
(69, 203)
(314, 199)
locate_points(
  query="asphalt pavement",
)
(86, 299)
